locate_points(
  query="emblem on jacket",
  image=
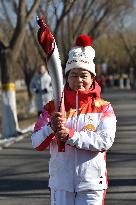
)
(89, 126)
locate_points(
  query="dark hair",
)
(67, 74)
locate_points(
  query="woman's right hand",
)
(57, 121)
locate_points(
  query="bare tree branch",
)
(85, 16)
(36, 42)
(19, 29)
(32, 10)
(21, 13)
(19, 32)
(97, 23)
(128, 49)
(8, 19)
(66, 8)
(14, 4)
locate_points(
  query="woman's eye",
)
(74, 76)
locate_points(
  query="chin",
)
(82, 89)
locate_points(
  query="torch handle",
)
(61, 145)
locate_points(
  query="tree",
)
(66, 20)
(8, 56)
(93, 17)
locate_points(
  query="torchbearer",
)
(78, 176)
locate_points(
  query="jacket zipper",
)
(77, 109)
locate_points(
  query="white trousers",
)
(59, 197)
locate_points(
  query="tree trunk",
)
(9, 113)
(8, 55)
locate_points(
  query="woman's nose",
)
(79, 79)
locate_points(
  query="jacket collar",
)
(83, 97)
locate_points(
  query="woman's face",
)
(80, 79)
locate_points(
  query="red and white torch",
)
(47, 42)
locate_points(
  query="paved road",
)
(24, 172)
(122, 157)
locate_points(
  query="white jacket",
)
(91, 133)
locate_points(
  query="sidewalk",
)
(23, 133)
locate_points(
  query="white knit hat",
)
(82, 55)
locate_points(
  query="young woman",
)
(78, 176)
